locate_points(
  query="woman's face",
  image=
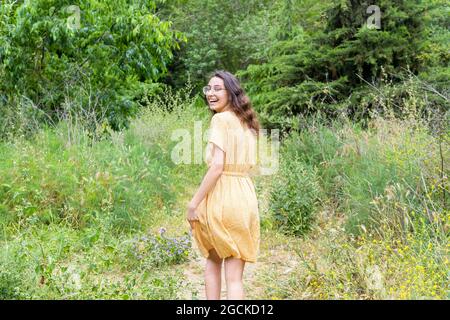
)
(217, 95)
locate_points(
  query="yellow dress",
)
(228, 215)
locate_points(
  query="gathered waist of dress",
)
(235, 173)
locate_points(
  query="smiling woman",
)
(224, 92)
(215, 94)
(224, 212)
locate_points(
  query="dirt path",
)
(276, 260)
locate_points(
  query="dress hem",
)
(231, 256)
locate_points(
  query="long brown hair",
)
(240, 102)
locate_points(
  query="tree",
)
(226, 35)
(327, 69)
(113, 50)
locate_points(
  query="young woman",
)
(223, 213)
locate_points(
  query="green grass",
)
(382, 230)
(72, 205)
(368, 204)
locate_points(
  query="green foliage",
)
(10, 283)
(71, 206)
(161, 250)
(57, 262)
(118, 52)
(369, 199)
(295, 56)
(358, 170)
(47, 180)
(434, 49)
(294, 197)
(220, 35)
(327, 69)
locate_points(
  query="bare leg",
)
(234, 269)
(213, 276)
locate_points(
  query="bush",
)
(294, 197)
(160, 250)
(220, 35)
(115, 53)
(56, 177)
(330, 66)
(10, 283)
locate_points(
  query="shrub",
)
(115, 53)
(294, 196)
(10, 283)
(327, 67)
(160, 250)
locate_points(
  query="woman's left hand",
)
(192, 215)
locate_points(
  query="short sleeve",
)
(218, 132)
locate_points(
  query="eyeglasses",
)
(206, 89)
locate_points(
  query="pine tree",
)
(327, 69)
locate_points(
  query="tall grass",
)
(81, 206)
(77, 197)
(355, 166)
(381, 231)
